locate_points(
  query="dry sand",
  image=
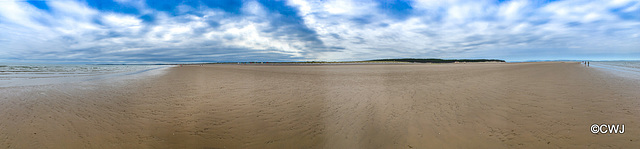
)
(522, 105)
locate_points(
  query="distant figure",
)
(588, 64)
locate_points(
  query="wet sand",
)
(508, 105)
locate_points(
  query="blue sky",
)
(139, 31)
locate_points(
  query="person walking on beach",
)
(587, 63)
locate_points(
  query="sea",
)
(623, 68)
(26, 74)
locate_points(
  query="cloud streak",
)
(130, 31)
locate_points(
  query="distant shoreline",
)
(375, 61)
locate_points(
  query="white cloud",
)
(72, 27)
(513, 10)
(459, 28)
(122, 21)
(329, 30)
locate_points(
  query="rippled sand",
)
(509, 105)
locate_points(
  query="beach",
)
(473, 105)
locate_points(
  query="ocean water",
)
(624, 68)
(17, 74)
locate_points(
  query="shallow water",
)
(629, 69)
(21, 74)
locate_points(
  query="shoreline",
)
(502, 105)
(619, 71)
(46, 78)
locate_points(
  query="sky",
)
(187, 31)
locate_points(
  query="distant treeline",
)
(435, 60)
